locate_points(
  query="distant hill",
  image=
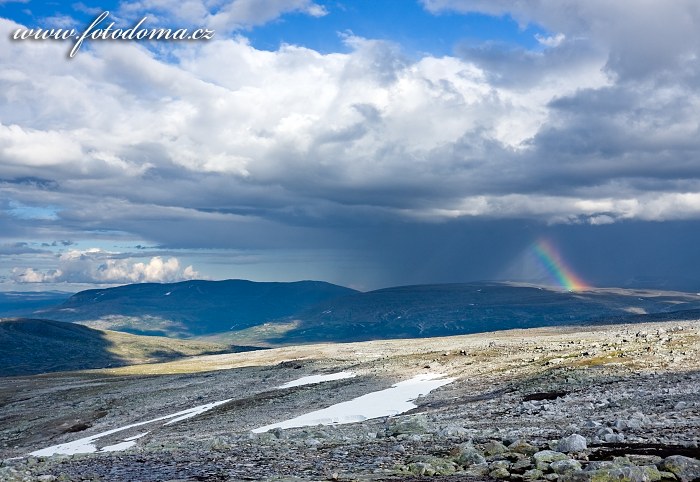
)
(270, 314)
(17, 304)
(450, 309)
(31, 346)
(192, 308)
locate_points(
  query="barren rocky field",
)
(615, 402)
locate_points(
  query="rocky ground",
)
(588, 403)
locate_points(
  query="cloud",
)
(225, 17)
(59, 21)
(17, 248)
(550, 41)
(653, 37)
(81, 7)
(101, 267)
(221, 145)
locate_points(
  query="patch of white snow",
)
(317, 379)
(392, 401)
(87, 445)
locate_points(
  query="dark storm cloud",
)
(18, 248)
(419, 166)
(518, 68)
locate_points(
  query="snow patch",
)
(87, 445)
(317, 379)
(384, 403)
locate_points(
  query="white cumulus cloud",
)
(98, 266)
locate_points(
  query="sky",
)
(369, 143)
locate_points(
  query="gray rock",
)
(413, 425)
(533, 474)
(522, 447)
(499, 464)
(399, 449)
(565, 466)
(478, 470)
(614, 438)
(622, 461)
(499, 473)
(572, 444)
(312, 442)
(614, 473)
(521, 465)
(421, 468)
(685, 468)
(544, 458)
(469, 456)
(453, 430)
(494, 448)
(279, 433)
(429, 465)
(627, 424)
(219, 444)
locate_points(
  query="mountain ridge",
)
(191, 308)
(272, 314)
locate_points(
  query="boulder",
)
(469, 456)
(566, 466)
(522, 447)
(685, 468)
(453, 431)
(429, 465)
(544, 458)
(494, 448)
(613, 473)
(572, 444)
(499, 473)
(533, 474)
(412, 425)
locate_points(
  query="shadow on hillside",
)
(33, 346)
(415, 327)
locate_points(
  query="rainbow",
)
(550, 258)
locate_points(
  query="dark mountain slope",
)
(192, 307)
(450, 309)
(31, 346)
(17, 304)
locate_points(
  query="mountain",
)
(270, 314)
(15, 304)
(31, 346)
(451, 309)
(192, 308)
